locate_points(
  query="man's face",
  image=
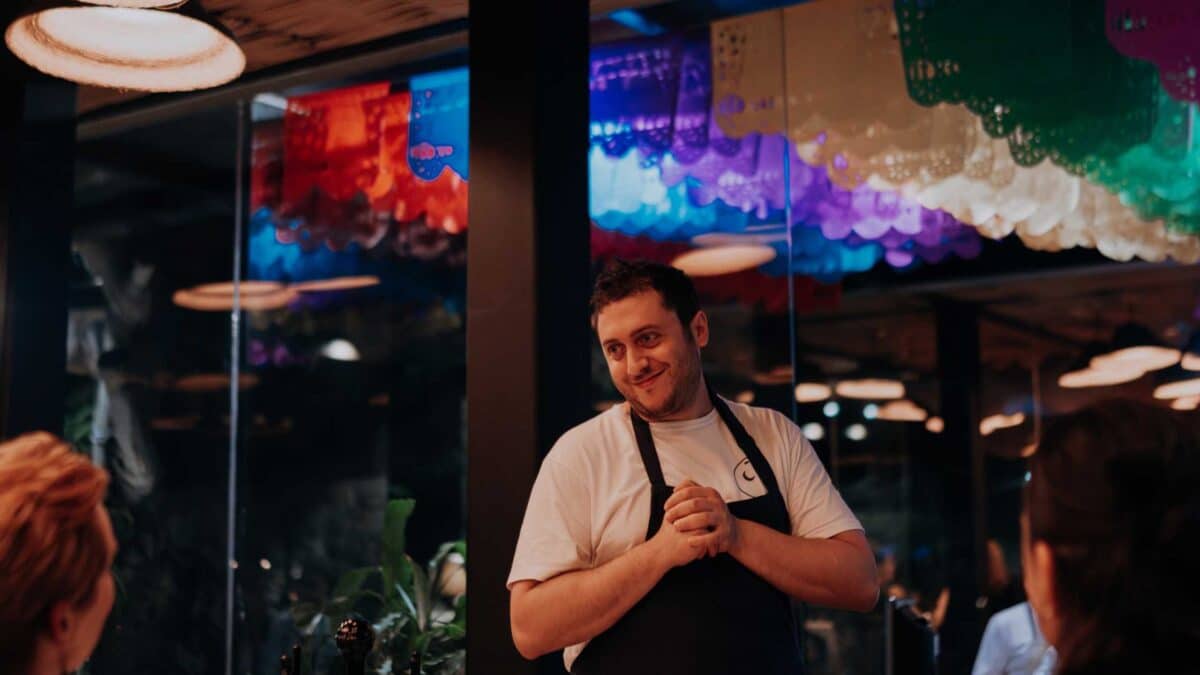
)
(652, 359)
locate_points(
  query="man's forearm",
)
(577, 606)
(828, 572)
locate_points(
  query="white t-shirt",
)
(1013, 645)
(591, 500)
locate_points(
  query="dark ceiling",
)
(1037, 305)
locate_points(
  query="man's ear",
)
(699, 329)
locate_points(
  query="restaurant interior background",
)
(920, 229)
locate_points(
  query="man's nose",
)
(636, 362)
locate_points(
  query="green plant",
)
(413, 608)
(80, 407)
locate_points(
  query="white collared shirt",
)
(1013, 645)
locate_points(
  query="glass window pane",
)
(352, 444)
(149, 380)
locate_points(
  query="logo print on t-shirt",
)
(745, 477)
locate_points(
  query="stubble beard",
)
(686, 387)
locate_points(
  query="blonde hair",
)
(51, 547)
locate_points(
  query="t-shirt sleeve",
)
(555, 534)
(814, 504)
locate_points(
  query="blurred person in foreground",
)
(56, 548)
(1013, 645)
(1111, 539)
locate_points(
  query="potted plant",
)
(413, 608)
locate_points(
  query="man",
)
(668, 534)
(56, 548)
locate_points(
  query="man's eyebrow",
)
(649, 326)
(640, 329)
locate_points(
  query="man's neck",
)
(700, 405)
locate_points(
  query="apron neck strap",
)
(645, 442)
(746, 442)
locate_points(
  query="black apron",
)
(712, 615)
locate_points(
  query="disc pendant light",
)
(1135, 346)
(873, 381)
(140, 45)
(1089, 371)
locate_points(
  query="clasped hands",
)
(700, 514)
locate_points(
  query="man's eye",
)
(649, 338)
(614, 350)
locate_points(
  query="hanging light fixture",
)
(873, 380)
(127, 44)
(255, 296)
(1091, 377)
(993, 423)
(1177, 383)
(812, 392)
(1135, 346)
(1186, 403)
(336, 284)
(340, 350)
(1190, 361)
(870, 389)
(200, 383)
(1191, 356)
(717, 260)
(1178, 389)
(812, 382)
(935, 425)
(902, 410)
(778, 375)
(1089, 371)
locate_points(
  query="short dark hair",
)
(622, 278)
(1114, 489)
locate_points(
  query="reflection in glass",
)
(149, 381)
(353, 442)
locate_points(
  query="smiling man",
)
(668, 534)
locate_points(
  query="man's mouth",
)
(645, 382)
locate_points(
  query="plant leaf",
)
(421, 595)
(455, 632)
(402, 574)
(390, 621)
(304, 612)
(460, 613)
(397, 569)
(351, 582)
(407, 603)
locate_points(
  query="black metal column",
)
(37, 180)
(527, 282)
(959, 461)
